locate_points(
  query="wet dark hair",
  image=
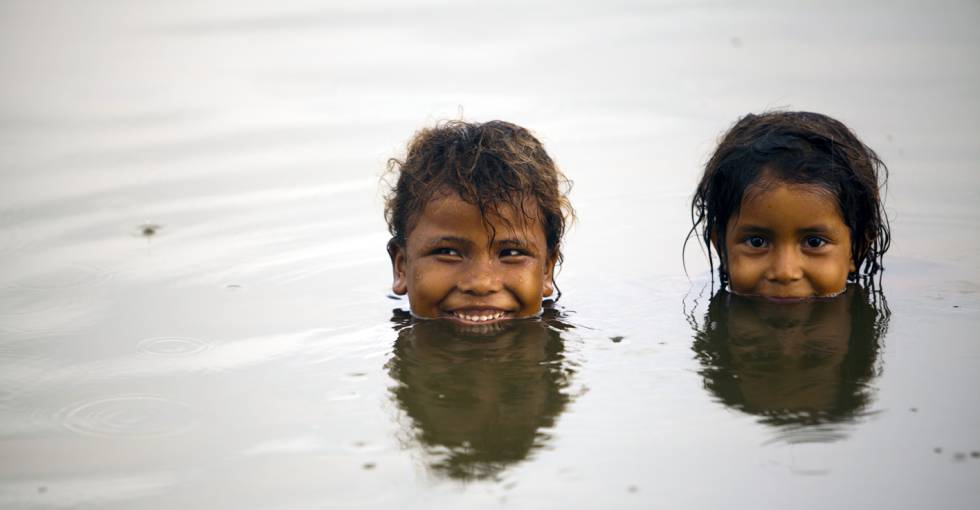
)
(794, 148)
(488, 165)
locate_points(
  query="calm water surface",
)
(194, 291)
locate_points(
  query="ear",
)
(853, 267)
(399, 283)
(548, 287)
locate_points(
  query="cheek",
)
(832, 276)
(744, 273)
(528, 286)
(427, 281)
(532, 285)
(426, 287)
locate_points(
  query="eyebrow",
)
(462, 241)
(512, 241)
(432, 243)
(815, 229)
(755, 229)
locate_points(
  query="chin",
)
(777, 297)
(788, 299)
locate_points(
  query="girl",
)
(790, 203)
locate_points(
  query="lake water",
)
(194, 290)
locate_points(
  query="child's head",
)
(790, 202)
(476, 217)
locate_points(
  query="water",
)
(194, 302)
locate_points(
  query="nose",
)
(480, 278)
(786, 265)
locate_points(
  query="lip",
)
(795, 299)
(776, 299)
(787, 299)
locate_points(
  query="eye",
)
(446, 252)
(510, 252)
(814, 242)
(755, 242)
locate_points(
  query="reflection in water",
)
(801, 366)
(478, 399)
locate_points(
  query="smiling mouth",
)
(479, 316)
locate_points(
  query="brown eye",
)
(756, 242)
(448, 252)
(814, 242)
(511, 252)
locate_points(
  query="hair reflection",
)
(478, 399)
(795, 365)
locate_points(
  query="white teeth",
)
(479, 318)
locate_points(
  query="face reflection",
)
(788, 242)
(794, 365)
(452, 267)
(478, 401)
(788, 355)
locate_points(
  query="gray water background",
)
(239, 352)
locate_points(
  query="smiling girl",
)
(476, 216)
(790, 202)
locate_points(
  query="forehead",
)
(789, 204)
(449, 212)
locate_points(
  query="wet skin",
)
(788, 242)
(453, 267)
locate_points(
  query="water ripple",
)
(173, 346)
(64, 277)
(10, 232)
(19, 371)
(25, 315)
(7, 398)
(126, 416)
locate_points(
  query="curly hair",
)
(489, 165)
(796, 148)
